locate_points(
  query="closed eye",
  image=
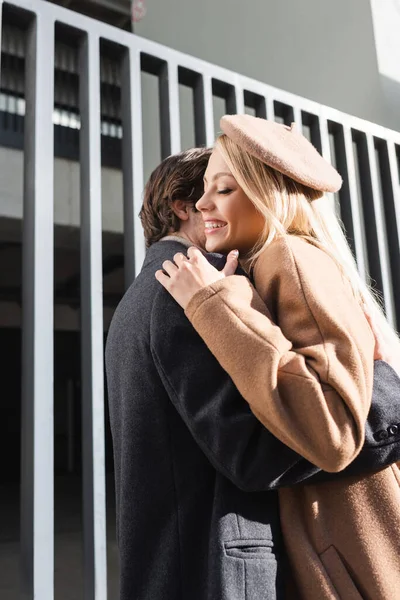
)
(225, 191)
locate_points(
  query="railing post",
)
(132, 159)
(94, 509)
(37, 444)
(355, 204)
(326, 153)
(269, 102)
(298, 118)
(199, 111)
(169, 110)
(380, 228)
(392, 180)
(324, 134)
(239, 100)
(174, 114)
(395, 185)
(209, 110)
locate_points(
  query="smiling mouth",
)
(212, 227)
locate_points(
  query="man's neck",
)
(178, 237)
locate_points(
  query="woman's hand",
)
(187, 275)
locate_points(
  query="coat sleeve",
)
(308, 380)
(219, 419)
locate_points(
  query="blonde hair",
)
(292, 208)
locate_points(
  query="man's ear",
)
(181, 209)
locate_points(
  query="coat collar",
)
(158, 252)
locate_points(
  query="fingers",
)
(164, 279)
(179, 258)
(231, 263)
(194, 254)
(169, 267)
(184, 277)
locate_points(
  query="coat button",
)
(381, 435)
(393, 430)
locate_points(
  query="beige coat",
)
(305, 366)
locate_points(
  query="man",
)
(197, 517)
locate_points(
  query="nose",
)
(204, 203)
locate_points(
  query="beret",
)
(284, 149)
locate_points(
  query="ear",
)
(181, 209)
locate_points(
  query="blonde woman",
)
(300, 349)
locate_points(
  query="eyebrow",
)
(218, 175)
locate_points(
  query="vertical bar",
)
(209, 110)
(391, 192)
(269, 103)
(323, 145)
(298, 118)
(368, 210)
(174, 116)
(355, 204)
(199, 112)
(395, 184)
(132, 163)
(324, 137)
(169, 110)
(239, 100)
(94, 515)
(230, 95)
(380, 232)
(163, 90)
(37, 443)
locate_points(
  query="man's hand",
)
(184, 277)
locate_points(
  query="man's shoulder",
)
(146, 300)
(137, 304)
(164, 250)
(145, 281)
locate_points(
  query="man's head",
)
(170, 196)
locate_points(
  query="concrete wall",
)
(386, 18)
(319, 49)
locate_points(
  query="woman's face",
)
(231, 220)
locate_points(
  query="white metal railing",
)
(366, 154)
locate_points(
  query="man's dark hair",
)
(178, 177)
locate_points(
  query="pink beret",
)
(284, 149)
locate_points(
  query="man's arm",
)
(382, 429)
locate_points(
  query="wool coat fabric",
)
(196, 519)
(304, 362)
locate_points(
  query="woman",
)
(300, 350)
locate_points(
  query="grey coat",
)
(196, 515)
